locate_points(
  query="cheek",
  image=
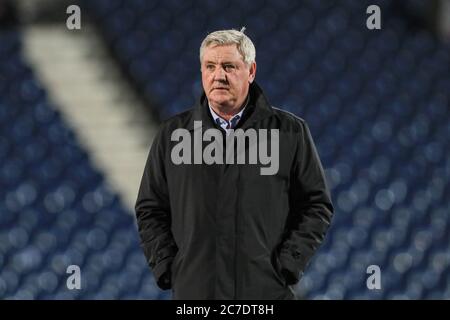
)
(240, 81)
(239, 85)
(206, 81)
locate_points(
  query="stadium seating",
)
(377, 103)
(56, 209)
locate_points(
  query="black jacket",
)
(224, 231)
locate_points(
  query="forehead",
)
(220, 53)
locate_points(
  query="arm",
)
(153, 216)
(310, 211)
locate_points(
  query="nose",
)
(219, 74)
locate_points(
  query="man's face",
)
(225, 76)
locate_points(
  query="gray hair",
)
(244, 45)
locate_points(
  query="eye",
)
(210, 67)
(229, 67)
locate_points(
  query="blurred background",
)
(79, 109)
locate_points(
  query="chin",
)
(220, 99)
(220, 102)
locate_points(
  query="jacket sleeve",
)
(153, 215)
(310, 209)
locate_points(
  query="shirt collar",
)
(218, 119)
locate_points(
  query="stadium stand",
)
(56, 210)
(377, 103)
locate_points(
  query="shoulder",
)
(178, 121)
(289, 121)
(168, 126)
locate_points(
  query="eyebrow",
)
(225, 62)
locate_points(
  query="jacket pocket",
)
(276, 268)
(175, 267)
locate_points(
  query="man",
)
(227, 229)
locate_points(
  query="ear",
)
(252, 72)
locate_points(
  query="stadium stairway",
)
(93, 98)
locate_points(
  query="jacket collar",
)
(257, 109)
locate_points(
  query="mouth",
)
(220, 88)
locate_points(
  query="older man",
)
(223, 229)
